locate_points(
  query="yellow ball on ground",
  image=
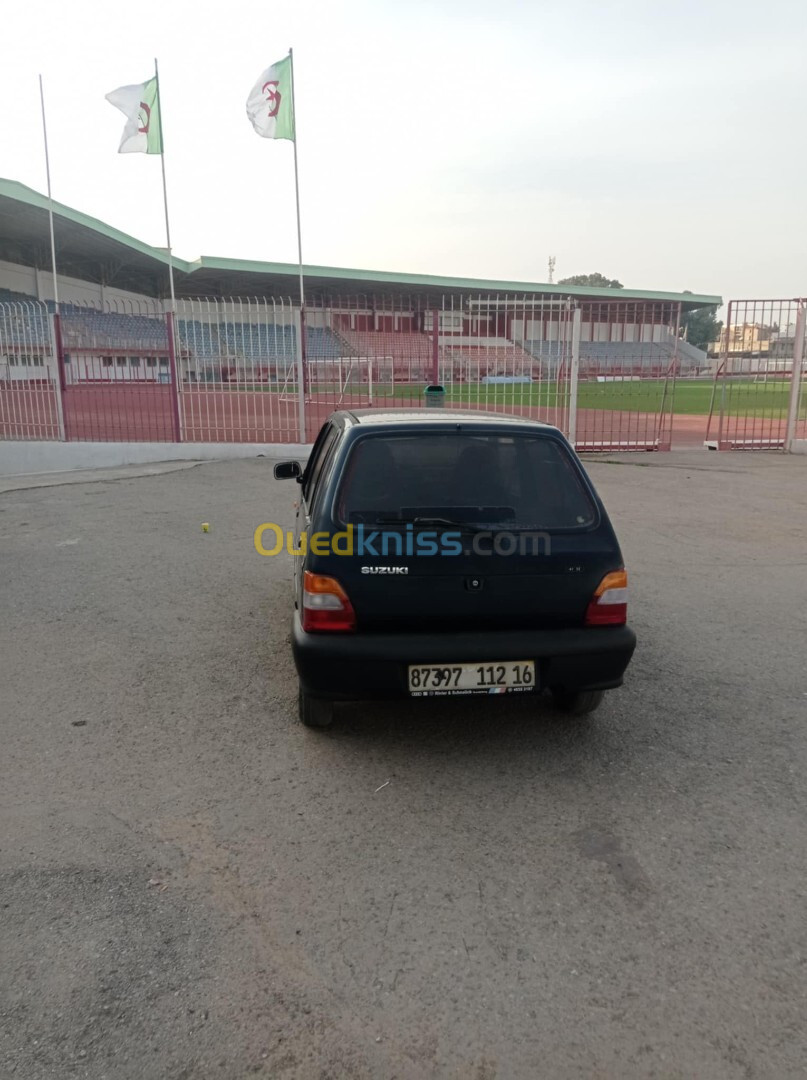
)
(205, 526)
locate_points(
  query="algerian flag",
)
(141, 106)
(269, 105)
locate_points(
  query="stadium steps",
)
(344, 345)
(323, 343)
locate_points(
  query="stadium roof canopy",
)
(92, 251)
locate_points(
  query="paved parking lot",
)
(195, 886)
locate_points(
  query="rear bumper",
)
(374, 666)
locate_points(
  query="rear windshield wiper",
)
(463, 526)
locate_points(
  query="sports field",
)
(744, 397)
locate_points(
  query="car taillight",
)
(325, 604)
(609, 604)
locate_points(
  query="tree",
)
(701, 327)
(596, 281)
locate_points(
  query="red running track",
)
(143, 413)
(603, 429)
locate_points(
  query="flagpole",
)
(58, 351)
(303, 374)
(297, 185)
(165, 187)
(176, 417)
(50, 199)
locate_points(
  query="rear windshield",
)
(510, 481)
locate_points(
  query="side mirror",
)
(288, 470)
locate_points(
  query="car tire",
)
(577, 704)
(314, 712)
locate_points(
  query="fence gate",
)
(29, 386)
(758, 400)
(629, 359)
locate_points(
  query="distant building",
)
(745, 339)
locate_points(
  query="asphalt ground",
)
(193, 885)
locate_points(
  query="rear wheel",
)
(577, 704)
(314, 712)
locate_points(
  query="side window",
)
(313, 457)
(327, 437)
(329, 455)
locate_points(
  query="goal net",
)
(350, 377)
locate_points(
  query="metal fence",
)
(631, 358)
(604, 372)
(613, 374)
(115, 370)
(364, 352)
(213, 371)
(29, 390)
(758, 400)
(239, 371)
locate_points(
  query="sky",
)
(660, 144)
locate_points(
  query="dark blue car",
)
(451, 553)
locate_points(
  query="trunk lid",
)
(466, 530)
(469, 591)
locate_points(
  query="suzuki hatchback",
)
(446, 552)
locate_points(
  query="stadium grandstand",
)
(364, 335)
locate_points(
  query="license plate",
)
(496, 677)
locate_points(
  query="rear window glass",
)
(510, 481)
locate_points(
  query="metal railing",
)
(29, 384)
(612, 374)
(757, 400)
(239, 370)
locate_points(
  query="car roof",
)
(374, 417)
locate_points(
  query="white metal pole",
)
(176, 409)
(165, 187)
(795, 379)
(53, 326)
(298, 355)
(301, 347)
(574, 373)
(50, 198)
(57, 382)
(297, 182)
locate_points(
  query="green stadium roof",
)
(91, 250)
